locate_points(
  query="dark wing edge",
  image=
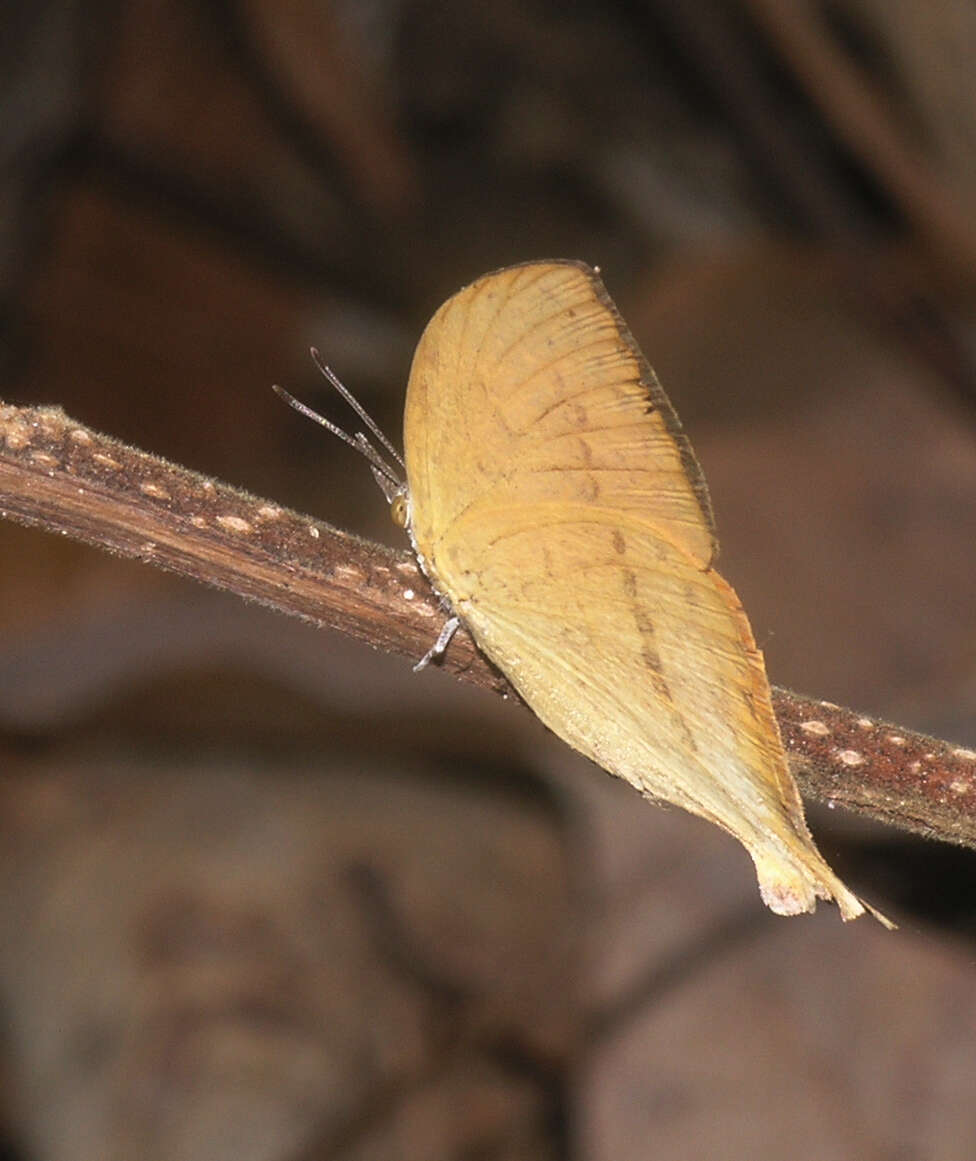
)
(648, 379)
(662, 404)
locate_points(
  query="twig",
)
(60, 475)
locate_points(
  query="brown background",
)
(267, 895)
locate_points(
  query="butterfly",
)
(556, 506)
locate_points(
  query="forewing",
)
(527, 387)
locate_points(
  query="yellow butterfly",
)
(556, 505)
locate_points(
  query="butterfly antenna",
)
(354, 403)
(361, 444)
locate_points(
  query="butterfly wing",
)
(642, 660)
(556, 502)
(528, 384)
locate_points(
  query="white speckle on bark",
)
(820, 729)
(155, 490)
(234, 524)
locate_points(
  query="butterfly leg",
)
(442, 642)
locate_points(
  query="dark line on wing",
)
(478, 288)
(659, 397)
(580, 397)
(610, 358)
(629, 425)
(562, 468)
(561, 334)
(539, 271)
(652, 661)
(578, 514)
(526, 333)
(649, 656)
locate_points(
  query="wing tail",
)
(791, 883)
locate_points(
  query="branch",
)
(57, 474)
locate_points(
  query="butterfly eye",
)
(398, 510)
